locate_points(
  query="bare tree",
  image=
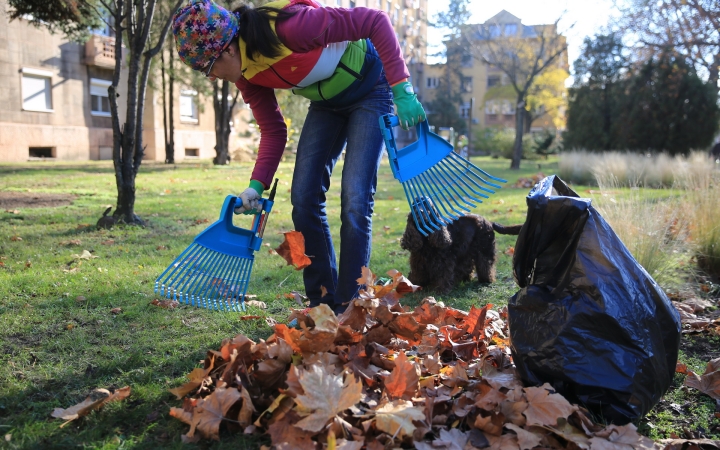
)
(223, 106)
(689, 27)
(521, 58)
(132, 23)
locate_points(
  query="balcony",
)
(100, 51)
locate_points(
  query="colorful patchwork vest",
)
(336, 75)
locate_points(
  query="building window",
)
(511, 29)
(99, 100)
(37, 90)
(192, 153)
(465, 110)
(466, 84)
(508, 108)
(41, 152)
(433, 82)
(338, 3)
(494, 31)
(352, 4)
(493, 81)
(491, 108)
(188, 106)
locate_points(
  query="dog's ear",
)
(440, 238)
(412, 239)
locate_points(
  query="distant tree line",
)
(651, 84)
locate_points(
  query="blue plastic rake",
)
(214, 271)
(439, 184)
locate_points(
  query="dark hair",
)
(255, 30)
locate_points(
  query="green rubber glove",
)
(250, 198)
(409, 110)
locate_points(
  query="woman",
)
(348, 62)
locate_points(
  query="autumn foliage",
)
(385, 376)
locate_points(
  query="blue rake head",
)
(214, 271)
(430, 171)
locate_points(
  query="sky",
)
(586, 15)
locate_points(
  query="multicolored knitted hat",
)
(202, 31)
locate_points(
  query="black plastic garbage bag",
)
(588, 318)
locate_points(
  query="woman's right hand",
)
(250, 199)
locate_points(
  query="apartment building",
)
(54, 101)
(476, 78)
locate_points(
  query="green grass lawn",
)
(61, 339)
(62, 333)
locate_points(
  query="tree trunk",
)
(168, 157)
(223, 110)
(171, 106)
(517, 148)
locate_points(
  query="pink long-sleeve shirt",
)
(311, 28)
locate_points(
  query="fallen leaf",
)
(526, 439)
(248, 317)
(95, 400)
(210, 412)
(404, 378)
(196, 377)
(396, 418)
(292, 250)
(255, 303)
(85, 255)
(116, 311)
(545, 408)
(16, 238)
(326, 396)
(167, 304)
(709, 382)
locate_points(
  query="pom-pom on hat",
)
(202, 31)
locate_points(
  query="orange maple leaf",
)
(293, 250)
(403, 380)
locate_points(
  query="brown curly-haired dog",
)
(448, 256)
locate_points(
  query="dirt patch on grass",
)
(11, 200)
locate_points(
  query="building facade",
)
(487, 98)
(54, 102)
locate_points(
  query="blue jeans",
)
(326, 132)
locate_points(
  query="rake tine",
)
(447, 175)
(185, 273)
(232, 283)
(238, 284)
(193, 273)
(427, 227)
(408, 195)
(448, 185)
(243, 281)
(473, 169)
(436, 187)
(470, 175)
(434, 216)
(464, 180)
(211, 281)
(223, 295)
(427, 191)
(470, 164)
(178, 265)
(162, 284)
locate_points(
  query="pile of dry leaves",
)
(382, 376)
